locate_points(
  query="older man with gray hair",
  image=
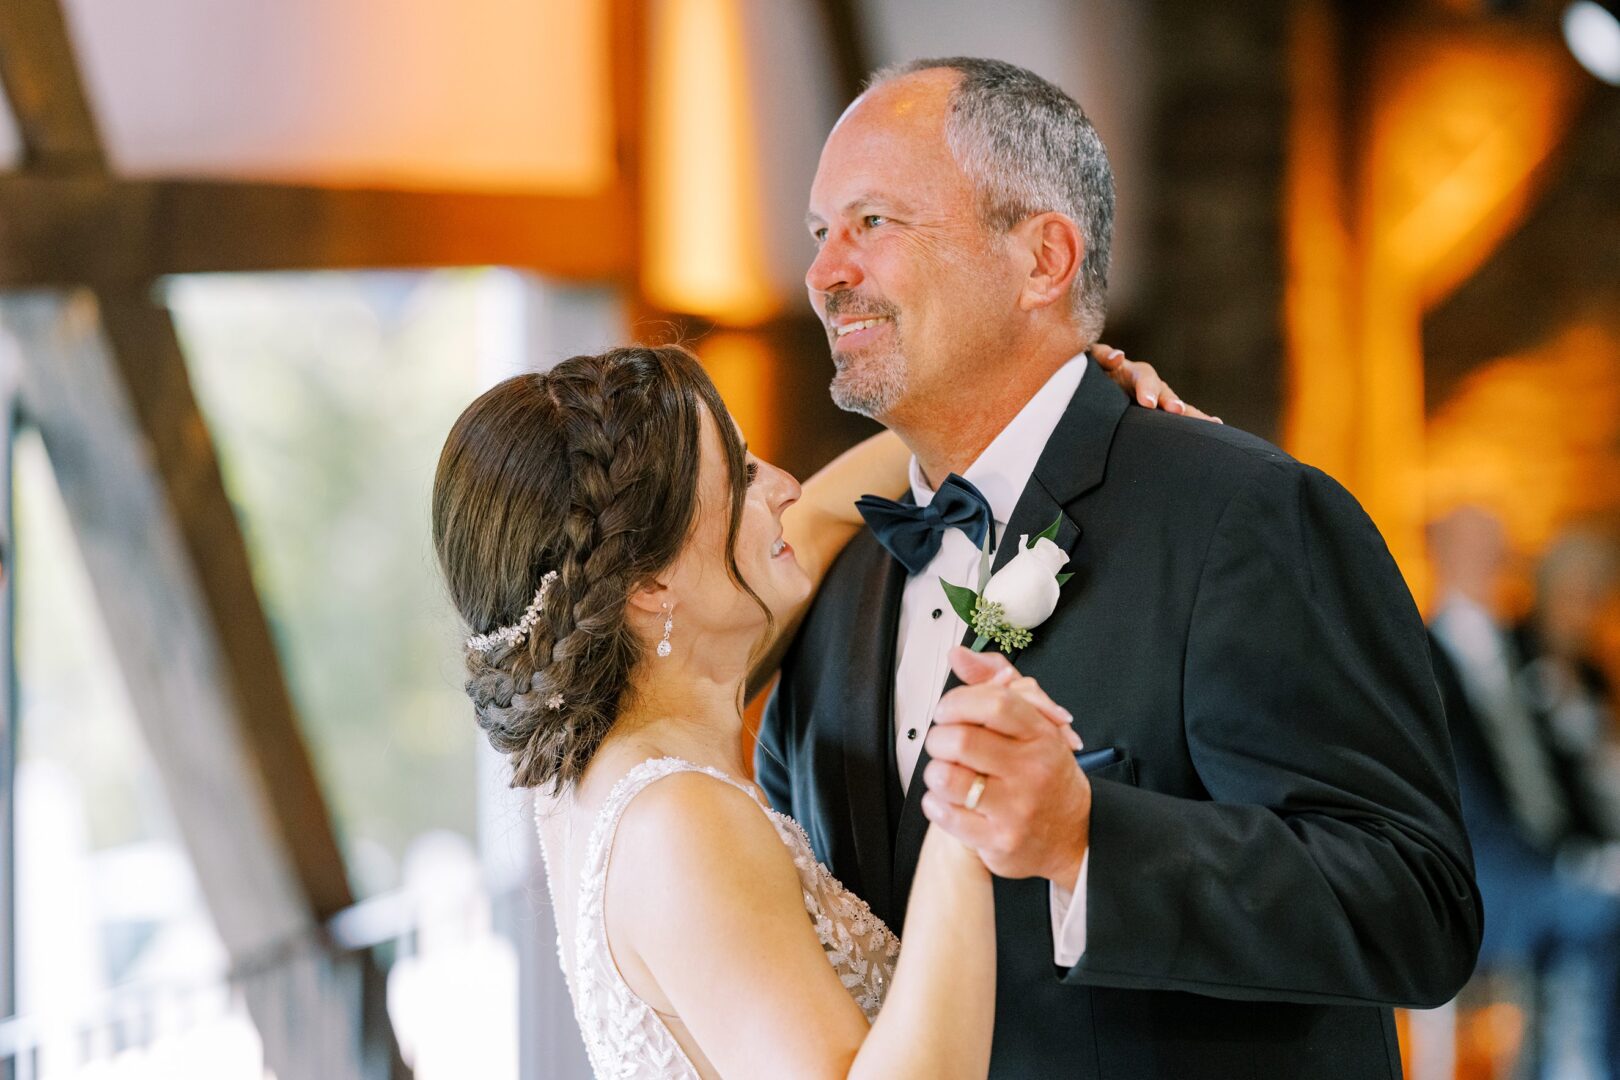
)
(1258, 850)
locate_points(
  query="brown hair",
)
(590, 469)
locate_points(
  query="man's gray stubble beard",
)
(874, 394)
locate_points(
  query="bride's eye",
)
(753, 471)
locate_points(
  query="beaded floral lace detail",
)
(624, 1037)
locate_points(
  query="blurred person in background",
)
(1576, 581)
(1544, 914)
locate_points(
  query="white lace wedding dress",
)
(625, 1038)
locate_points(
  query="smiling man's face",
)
(912, 288)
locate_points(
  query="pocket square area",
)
(1092, 760)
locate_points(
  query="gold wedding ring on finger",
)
(975, 792)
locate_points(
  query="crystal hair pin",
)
(518, 631)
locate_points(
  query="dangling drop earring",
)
(664, 648)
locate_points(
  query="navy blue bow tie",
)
(912, 534)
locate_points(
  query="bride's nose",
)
(785, 489)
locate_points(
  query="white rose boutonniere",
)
(1018, 597)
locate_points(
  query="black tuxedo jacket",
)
(1276, 855)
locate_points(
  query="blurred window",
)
(10, 137)
(328, 397)
(106, 895)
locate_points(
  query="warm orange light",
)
(1461, 129)
(1535, 438)
(703, 252)
(1318, 421)
(1490, 1039)
(509, 95)
(1458, 129)
(740, 365)
(1461, 141)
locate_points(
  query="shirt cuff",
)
(1069, 918)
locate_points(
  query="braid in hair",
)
(590, 470)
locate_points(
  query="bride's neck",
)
(679, 712)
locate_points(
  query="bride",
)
(631, 572)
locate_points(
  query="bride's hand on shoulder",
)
(1143, 384)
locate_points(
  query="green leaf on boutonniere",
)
(1048, 533)
(1063, 579)
(963, 600)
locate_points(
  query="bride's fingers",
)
(1108, 358)
(1199, 414)
(1137, 378)
(1061, 718)
(1149, 388)
(974, 668)
(948, 780)
(1171, 402)
(993, 669)
(968, 826)
(990, 705)
(1143, 382)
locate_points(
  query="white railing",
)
(440, 981)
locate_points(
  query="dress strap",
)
(639, 778)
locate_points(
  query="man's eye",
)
(819, 236)
(753, 471)
(872, 221)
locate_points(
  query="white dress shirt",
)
(929, 626)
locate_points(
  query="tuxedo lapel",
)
(866, 739)
(1073, 462)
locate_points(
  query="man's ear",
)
(1056, 248)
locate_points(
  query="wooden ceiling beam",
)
(627, 60)
(42, 81)
(145, 351)
(68, 230)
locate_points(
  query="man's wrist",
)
(1067, 868)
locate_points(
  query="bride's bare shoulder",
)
(689, 840)
(690, 814)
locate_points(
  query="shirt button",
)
(911, 733)
(938, 612)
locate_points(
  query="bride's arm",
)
(824, 520)
(940, 1012)
(705, 905)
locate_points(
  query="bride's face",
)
(707, 602)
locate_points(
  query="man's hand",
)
(1142, 383)
(1033, 816)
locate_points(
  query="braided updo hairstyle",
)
(590, 469)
